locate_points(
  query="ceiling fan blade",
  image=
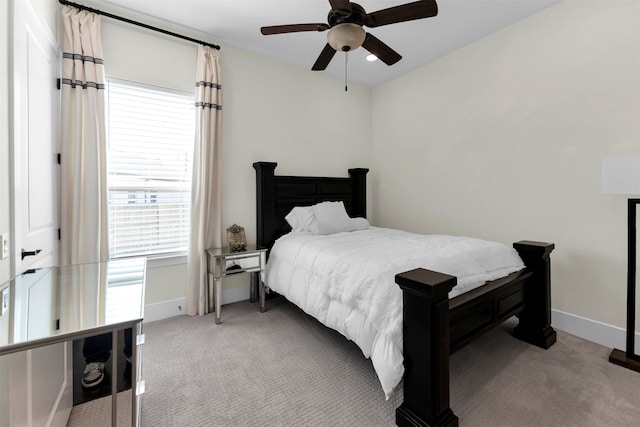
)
(325, 57)
(294, 28)
(402, 13)
(341, 5)
(381, 50)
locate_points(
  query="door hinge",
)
(59, 157)
(57, 324)
(58, 234)
(58, 83)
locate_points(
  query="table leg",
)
(134, 375)
(253, 289)
(211, 294)
(114, 378)
(137, 340)
(217, 289)
(263, 294)
(259, 279)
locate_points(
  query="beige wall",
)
(271, 112)
(503, 140)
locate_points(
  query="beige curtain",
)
(83, 185)
(206, 193)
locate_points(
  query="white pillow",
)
(300, 218)
(331, 217)
(324, 218)
(357, 224)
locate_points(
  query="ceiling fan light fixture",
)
(346, 36)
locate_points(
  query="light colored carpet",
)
(282, 368)
(97, 413)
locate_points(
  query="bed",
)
(432, 324)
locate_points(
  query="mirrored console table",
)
(52, 305)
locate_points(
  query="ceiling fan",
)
(345, 32)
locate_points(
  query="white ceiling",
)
(237, 23)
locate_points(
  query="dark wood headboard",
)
(277, 195)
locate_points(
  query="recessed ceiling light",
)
(371, 57)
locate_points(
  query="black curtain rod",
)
(139, 24)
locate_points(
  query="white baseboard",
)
(601, 333)
(177, 307)
(165, 309)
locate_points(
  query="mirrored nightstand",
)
(222, 262)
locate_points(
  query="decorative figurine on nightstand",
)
(237, 241)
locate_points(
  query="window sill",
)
(164, 260)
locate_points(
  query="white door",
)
(40, 379)
(34, 142)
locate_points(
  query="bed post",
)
(426, 349)
(359, 200)
(265, 197)
(534, 325)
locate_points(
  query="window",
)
(150, 150)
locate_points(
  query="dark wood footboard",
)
(426, 337)
(535, 318)
(434, 326)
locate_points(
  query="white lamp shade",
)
(346, 35)
(621, 175)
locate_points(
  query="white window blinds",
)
(151, 133)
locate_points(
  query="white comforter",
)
(347, 281)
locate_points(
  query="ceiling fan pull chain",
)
(346, 59)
